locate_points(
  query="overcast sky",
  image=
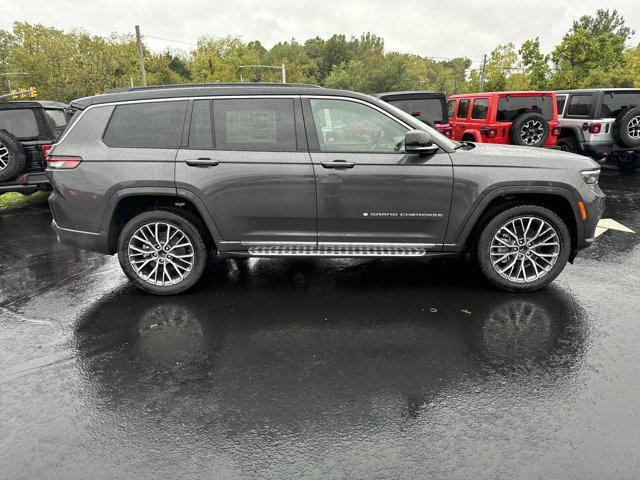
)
(429, 28)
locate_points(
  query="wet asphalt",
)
(295, 369)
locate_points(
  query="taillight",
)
(595, 128)
(63, 163)
(555, 131)
(448, 132)
(45, 150)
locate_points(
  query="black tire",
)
(569, 144)
(495, 224)
(529, 129)
(627, 162)
(626, 128)
(189, 226)
(13, 159)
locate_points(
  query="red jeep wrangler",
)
(516, 118)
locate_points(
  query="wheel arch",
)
(475, 134)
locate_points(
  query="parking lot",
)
(319, 368)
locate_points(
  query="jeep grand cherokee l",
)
(602, 123)
(163, 177)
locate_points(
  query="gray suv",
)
(164, 177)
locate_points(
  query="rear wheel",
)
(523, 248)
(162, 252)
(568, 144)
(627, 162)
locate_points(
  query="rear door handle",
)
(338, 164)
(203, 162)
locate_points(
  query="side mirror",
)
(418, 141)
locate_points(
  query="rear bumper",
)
(28, 182)
(96, 242)
(601, 149)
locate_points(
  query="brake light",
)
(63, 163)
(447, 132)
(555, 131)
(45, 150)
(595, 128)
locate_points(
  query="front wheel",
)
(524, 248)
(162, 252)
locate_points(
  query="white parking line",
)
(608, 224)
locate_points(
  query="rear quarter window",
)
(146, 125)
(19, 122)
(614, 103)
(561, 100)
(510, 107)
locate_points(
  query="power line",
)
(170, 40)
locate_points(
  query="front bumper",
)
(96, 242)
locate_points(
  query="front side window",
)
(451, 107)
(480, 108)
(561, 100)
(510, 107)
(20, 122)
(345, 126)
(258, 124)
(422, 108)
(580, 105)
(200, 131)
(146, 125)
(463, 108)
(613, 103)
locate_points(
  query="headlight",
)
(591, 176)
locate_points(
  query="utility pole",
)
(284, 73)
(484, 65)
(143, 74)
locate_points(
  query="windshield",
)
(437, 137)
(423, 108)
(613, 103)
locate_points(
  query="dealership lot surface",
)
(319, 368)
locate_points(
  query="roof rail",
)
(195, 85)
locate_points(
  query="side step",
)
(337, 251)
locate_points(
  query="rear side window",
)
(258, 124)
(510, 107)
(423, 108)
(580, 105)
(146, 125)
(451, 107)
(480, 108)
(200, 131)
(463, 109)
(21, 123)
(613, 103)
(560, 102)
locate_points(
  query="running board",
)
(338, 251)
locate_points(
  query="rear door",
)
(369, 190)
(246, 158)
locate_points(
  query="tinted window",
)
(255, 124)
(21, 123)
(480, 108)
(147, 125)
(560, 101)
(463, 109)
(200, 131)
(510, 107)
(423, 108)
(580, 105)
(57, 119)
(613, 103)
(451, 107)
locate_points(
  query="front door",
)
(369, 190)
(247, 160)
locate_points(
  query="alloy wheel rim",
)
(524, 249)
(161, 253)
(634, 127)
(532, 132)
(4, 156)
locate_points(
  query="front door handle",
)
(338, 164)
(202, 162)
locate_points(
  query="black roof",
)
(207, 90)
(596, 90)
(409, 93)
(16, 104)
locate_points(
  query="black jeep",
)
(27, 131)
